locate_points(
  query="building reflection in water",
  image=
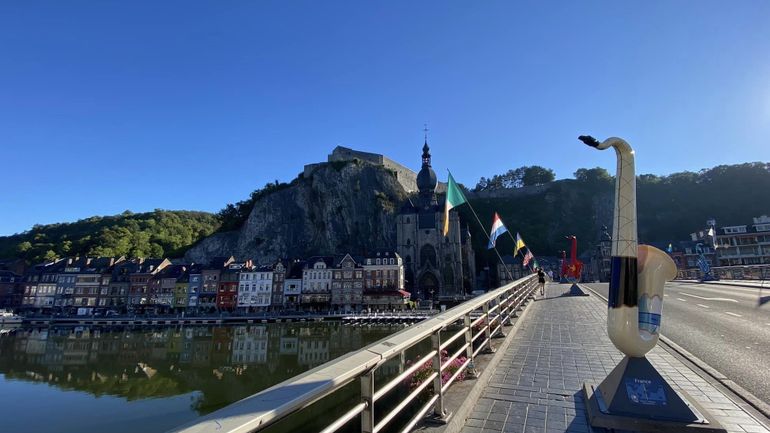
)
(220, 364)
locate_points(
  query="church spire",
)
(426, 149)
(426, 178)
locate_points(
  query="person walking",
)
(541, 280)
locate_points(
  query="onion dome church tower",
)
(433, 263)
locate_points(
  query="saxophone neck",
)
(624, 236)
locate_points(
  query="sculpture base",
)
(575, 290)
(634, 396)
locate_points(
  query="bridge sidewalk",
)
(537, 385)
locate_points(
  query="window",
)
(428, 255)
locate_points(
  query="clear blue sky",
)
(114, 105)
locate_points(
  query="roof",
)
(149, 265)
(220, 262)
(295, 269)
(173, 271)
(328, 261)
(383, 253)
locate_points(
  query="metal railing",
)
(736, 272)
(475, 321)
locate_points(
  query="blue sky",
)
(114, 105)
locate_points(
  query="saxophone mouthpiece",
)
(587, 139)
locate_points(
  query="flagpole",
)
(514, 245)
(508, 271)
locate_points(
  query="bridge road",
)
(723, 326)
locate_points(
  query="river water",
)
(132, 379)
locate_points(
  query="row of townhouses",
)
(733, 245)
(86, 285)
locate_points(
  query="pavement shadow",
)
(566, 294)
(763, 300)
(579, 422)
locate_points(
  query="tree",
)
(594, 175)
(516, 178)
(537, 175)
(23, 247)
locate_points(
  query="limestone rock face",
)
(337, 207)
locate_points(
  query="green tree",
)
(537, 175)
(24, 247)
(595, 175)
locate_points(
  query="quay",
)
(234, 319)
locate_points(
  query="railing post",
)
(487, 334)
(367, 395)
(439, 412)
(499, 317)
(509, 298)
(470, 371)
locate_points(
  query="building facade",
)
(434, 263)
(316, 283)
(747, 244)
(347, 285)
(255, 288)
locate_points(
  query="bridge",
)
(445, 347)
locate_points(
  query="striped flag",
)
(454, 198)
(519, 244)
(498, 228)
(527, 258)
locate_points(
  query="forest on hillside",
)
(669, 207)
(160, 233)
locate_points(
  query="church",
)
(437, 267)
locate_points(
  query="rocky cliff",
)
(342, 206)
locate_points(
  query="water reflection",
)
(210, 366)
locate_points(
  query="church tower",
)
(433, 262)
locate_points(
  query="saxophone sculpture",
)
(638, 271)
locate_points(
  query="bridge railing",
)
(737, 272)
(472, 325)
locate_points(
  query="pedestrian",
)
(541, 280)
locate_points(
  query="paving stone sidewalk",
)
(537, 385)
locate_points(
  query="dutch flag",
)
(498, 228)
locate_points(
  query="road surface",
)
(723, 326)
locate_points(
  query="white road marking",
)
(683, 300)
(710, 299)
(704, 306)
(733, 314)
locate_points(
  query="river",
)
(131, 379)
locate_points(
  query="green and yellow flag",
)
(519, 244)
(454, 198)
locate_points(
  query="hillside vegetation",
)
(352, 208)
(669, 207)
(159, 233)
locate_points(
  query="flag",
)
(527, 258)
(454, 198)
(519, 244)
(498, 228)
(713, 235)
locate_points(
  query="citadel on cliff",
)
(436, 266)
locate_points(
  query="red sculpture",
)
(572, 269)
